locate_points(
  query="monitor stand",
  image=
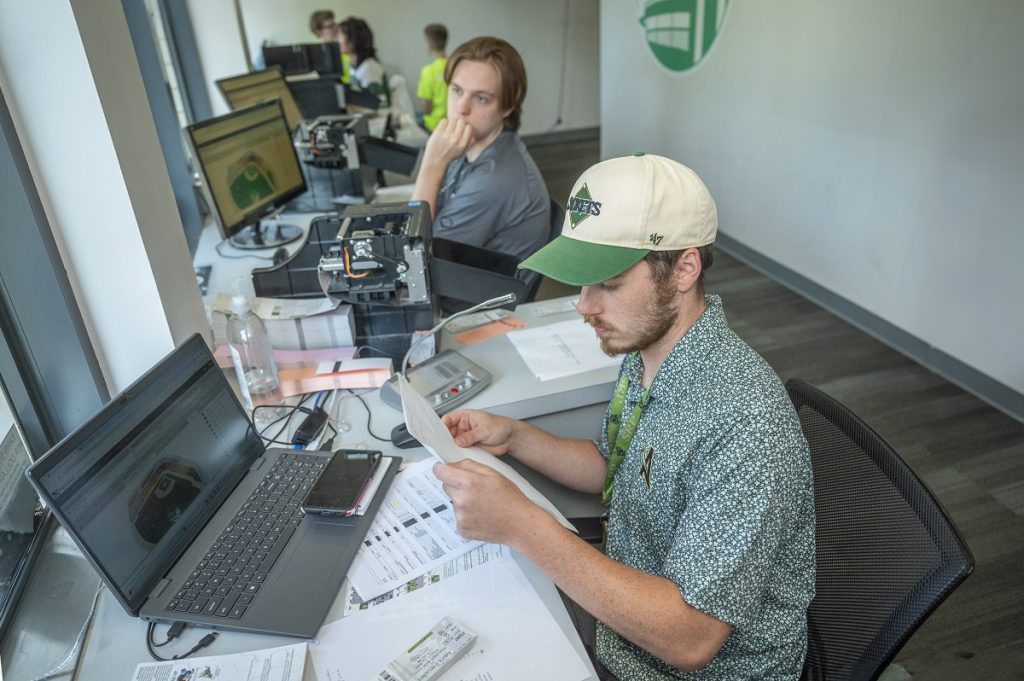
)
(266, 234)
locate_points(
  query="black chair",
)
(887, 554)
(554, 229)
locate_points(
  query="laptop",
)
(172, 496)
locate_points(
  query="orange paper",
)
(496, 328)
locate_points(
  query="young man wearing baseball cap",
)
(709, 561)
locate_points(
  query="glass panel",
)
(20, 511)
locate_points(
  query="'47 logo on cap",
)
(582, 206)
(655, 238)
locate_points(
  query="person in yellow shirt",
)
(432, 91)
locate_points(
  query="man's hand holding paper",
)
(471, 428)
(433, 434)
(488, 506)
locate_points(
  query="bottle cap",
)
(239, 304)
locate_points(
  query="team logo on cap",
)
(582, 206)
(680, 32)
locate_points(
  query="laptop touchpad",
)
(320, 547)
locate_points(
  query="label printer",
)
(381, 259)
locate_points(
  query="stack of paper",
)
(350, 374)
(304, 324)
(561, 349)
(414, 532)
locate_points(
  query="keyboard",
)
(227, 579)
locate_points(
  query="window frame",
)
(49, 371)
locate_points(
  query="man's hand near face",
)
(450, 140)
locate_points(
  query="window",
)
(49, 373)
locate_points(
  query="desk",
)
(116, 642)
(570, 406)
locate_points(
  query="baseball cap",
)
(622, 209)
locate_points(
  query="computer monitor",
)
(250, 171)
(388, 155)
(261, 86)
(324, 58)
(324, 96)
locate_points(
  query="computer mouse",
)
(280, 255)
(402, 438)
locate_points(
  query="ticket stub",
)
(431, 655)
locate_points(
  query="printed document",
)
(516, 636)
(414, 532)
(287, 663)
(561, 349)
(481, 555)
(426, 426)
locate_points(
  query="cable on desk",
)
(78, 640)
(360, 348)
(292, 409)
(176, 630)
(369, 419)
(239, 257)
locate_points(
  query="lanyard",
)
(619, 438)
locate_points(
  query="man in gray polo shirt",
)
(482, 185)
(709, 563)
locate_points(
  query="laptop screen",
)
(137, 482)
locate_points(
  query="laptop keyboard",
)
(229, 576)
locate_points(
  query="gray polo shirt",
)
(715, 495)
(498, 202)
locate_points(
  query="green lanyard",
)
(619, 438)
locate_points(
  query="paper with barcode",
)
(413, 532)
(427, 427)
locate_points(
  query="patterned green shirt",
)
(715, 495)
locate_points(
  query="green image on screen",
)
(250, 181)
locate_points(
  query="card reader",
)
(445, 380)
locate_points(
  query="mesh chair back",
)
(887, 554)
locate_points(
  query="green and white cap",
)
(622, 209)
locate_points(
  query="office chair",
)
(557, 214)
(887, 554)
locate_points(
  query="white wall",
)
(83, 119)
(875, 147)
(535, 27)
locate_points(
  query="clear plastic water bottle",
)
(252, 355)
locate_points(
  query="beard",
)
(653, 322)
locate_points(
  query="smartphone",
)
(337, 490)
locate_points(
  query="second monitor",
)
(261, 86)
(250, 171)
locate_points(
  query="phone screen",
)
(338, 488)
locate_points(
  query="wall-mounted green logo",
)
(680, 32)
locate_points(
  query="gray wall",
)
(877, 148)
(535, 27)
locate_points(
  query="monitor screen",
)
(248, 164)
(141, 478)
(323, 58)
(261, 86)
(318, 96)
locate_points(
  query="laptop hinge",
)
(160, 587)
